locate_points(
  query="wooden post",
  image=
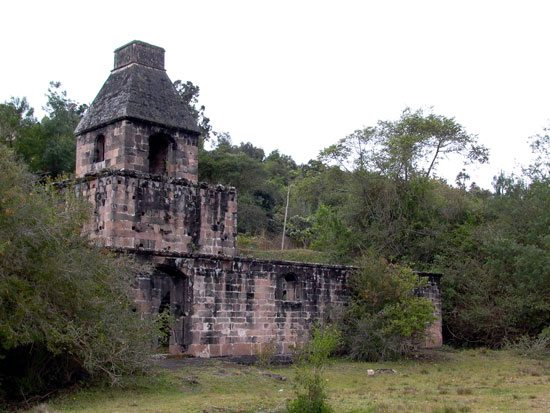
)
(286, 214)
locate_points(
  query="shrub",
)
(65, 305)
(309, 386)
(385, 319)
(268, 354)
(312, 396)
(533, 347)
(164, 323)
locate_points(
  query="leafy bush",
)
(164, 323)
(65, 305)
(311, 396)
(300, 229)
(331, 235)
(497, 273)
(385, 319)
(533, 347)
(267, 355)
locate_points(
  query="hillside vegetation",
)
(372, 199)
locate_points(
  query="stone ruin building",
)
(137, 164)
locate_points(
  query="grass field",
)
(450, 381)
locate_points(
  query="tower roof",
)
(138, 88)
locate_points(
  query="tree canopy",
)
(48, 145)
(65, 305)
(409, 147)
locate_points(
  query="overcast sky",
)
(299, 75)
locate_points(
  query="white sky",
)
(299, 75)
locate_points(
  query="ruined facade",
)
(233, 306)
(137, 164)
(137, 157)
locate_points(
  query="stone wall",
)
(239, 306)
(432, 291)
(136, 210)
(127, 148)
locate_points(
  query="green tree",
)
(16, 118)
(387, 193)
(189, 92)
(540, 147)
(332, 235)
(260, 181)
(497, 266)
(65, 305)
(385, 319)
(410, 147)
(48, 146)
(58, 147)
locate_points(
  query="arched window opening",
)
(99, 149)
(291, 288)
(159, 150)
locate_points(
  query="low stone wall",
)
(240, 306)
(136, 210)
(234, 306)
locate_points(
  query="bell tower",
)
(137, 164)
(138, 122)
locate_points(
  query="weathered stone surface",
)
(137, 164)
(138, 89)
(432, 291)
(137, 210)
(236, 311)
(127, 148)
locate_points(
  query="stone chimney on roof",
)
(141, 53)
(139, 89)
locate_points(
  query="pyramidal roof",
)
(138, 88)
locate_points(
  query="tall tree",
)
(409, 147)
(189, 93)
(16, 117)
(48, 146)
(58, 143)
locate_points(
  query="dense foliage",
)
(493, 247)
(374, 192)
(261, 181)
(47, 146)
(65, 306)
(385, 319)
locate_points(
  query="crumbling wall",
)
(241, 306)
(432, 291)
(167, 289)
(234, 306)
(135, 210)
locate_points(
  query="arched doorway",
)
(171, 302)
(160, 153)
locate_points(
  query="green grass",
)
(269, 249)
(462, 381)
(297, 254)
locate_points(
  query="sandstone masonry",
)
(230, 306)
(137, 164)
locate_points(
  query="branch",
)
(439, 143)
